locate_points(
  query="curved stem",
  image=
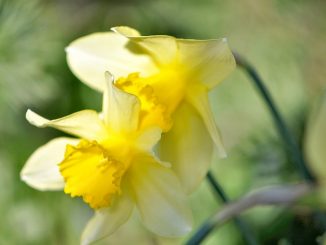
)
(243, 227)
(272, 195)
(217, 188)
(284, 132)
(208, 226)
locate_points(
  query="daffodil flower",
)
(172, 78)
(111, 166)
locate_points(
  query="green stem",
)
(243, 227)
(209, 225)
(284, 132)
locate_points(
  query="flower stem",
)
(284, 132)
(272, 195)
(208, 226)
(243, 227)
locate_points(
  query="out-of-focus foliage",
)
(285, 40)
(316, 139)
(315, 144)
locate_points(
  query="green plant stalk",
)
(209, 225)
(284, 132)
(242, 226)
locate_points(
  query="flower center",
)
(92, 172)
(159, 95)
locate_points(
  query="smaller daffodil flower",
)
(111, 166)
(172, 78)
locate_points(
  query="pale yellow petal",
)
(315, 140)
(41, 170)
(90, 56)
(126, 31)
(163, 48)
(197, 96)
(84, 124)
(107, 220)
(120, 109)
(134, 233)
(159, 198)
(149, 138)
(208, 61)
(188, 146)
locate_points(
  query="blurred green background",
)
(286, 42)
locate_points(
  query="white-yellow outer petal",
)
(162, 48)
(41, 170)
(90, 56)
(197, 96)
(159, 198)
(84, 124)
(107, 220)
(149, 138)
(120, 109)
(206, 61)
(132, 232)
(188, 146)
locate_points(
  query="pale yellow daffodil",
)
(112, 167)
(172, 78)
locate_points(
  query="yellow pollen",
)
(91, 172)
